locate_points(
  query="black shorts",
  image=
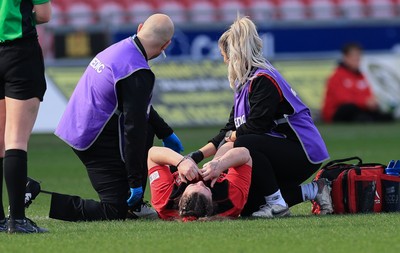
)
(22, 69)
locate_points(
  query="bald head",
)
(157, 30)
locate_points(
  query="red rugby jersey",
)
(230, 192)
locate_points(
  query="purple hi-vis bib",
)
(300, 121)
(94, 99)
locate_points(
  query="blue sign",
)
(201, 42)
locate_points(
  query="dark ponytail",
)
(195, 205)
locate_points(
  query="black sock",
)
(15, 173)
(2, 216)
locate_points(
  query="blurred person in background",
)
(110, 124)
(22, 87)
(348, 96)
(271, 121)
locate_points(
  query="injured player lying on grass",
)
(219, 189)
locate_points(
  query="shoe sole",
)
(149, 216)
(283, 213)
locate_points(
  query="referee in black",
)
(22, 87)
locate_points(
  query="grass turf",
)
(52, 162)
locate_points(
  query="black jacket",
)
(266, 105)
(133, 93)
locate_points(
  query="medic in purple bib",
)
(272, 122)
(110, 124)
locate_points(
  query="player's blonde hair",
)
(243, 48)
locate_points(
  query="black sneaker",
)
(24, 226)
(32, 189)
(3, 225)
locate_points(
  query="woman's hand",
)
(188, 170)
(372, 104)
(211, 171)
(231, 137)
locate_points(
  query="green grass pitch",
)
(53, 163)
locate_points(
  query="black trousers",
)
(277, 164)
(108, 176)
(353, 113)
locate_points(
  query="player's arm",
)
(164, 156)
(42, 12)
(233, 157)
(159, 156)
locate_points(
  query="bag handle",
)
(344, 160)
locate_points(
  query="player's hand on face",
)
(210, 171)
(188, 170)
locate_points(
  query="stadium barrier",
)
(191, 87)
(197, 93)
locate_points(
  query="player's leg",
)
(3, 222)
(20, 118)
(24, 88)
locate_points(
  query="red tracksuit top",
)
(345, 87)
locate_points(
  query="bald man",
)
(110, 124)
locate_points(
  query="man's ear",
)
(166, 45)
(139, 27)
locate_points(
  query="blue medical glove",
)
(136, 195)
(173, 143)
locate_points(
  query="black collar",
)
(139, 44)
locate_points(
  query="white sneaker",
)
(145, 211)
(323, 198)
(272, 211)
